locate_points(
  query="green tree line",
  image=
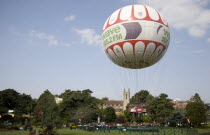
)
(80, 107)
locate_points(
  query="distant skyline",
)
(56, 45)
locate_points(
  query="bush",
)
(49, 130)
(14, 128)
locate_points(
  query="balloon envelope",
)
(135, 36)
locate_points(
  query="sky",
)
(56, 45)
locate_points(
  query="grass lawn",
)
(13, 133)
(81, 132)
(205, 130)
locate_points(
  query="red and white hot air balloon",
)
(135, 36)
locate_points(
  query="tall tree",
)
(140, 97)
(196, 98)
(8, 100)
(84, 115)
(128, 116)
(46, 112)
(21, 104)
(164, 108)
(76, 100)
(159, 108)
(25, 104)
(109, 114)
(196, 111)
(151, 106)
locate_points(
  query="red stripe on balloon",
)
(134, 18)
(133, 42)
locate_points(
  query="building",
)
(119, 105)
(126, 98)
(58, 100)
(179, 104)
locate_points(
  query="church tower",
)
(126, 98)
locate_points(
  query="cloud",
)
(199, 51)
(69, 18)
(191, 15)
(89, 37)
(52, 41)
(208, 40)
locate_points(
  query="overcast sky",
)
(56, 45)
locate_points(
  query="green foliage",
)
(21, 104)
(46, 112)
(176, 118)
(105, 99)
(139, 119)
(140, 97)
(159, 108)
(128, 116)
(84, 115)
(146, 119)
(109, 114)
(195, 112)
(8, 100)
(151, 105)
(78, 105)
(195, 98)
(120, 119)
(25, 105)
(164, 108)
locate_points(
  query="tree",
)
(151, 106)
(177, 118)
(128, 116)
(139, 119)
(159, 108)
(24, 104)
(120, 119)
(195, 98)
(105, 99)
(84, 115)
(164, 108)
(77, 100)
(146, 119)
(140, 97)
(207, 112)
(109, 114)
(21, 104)
(196, 111)
(8, 100)
(46, 112)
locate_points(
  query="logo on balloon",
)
(133, 30)
(111, 35)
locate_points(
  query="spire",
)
(126, 98)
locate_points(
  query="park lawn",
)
(82, 132)
(203, 130)
(14, 133)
